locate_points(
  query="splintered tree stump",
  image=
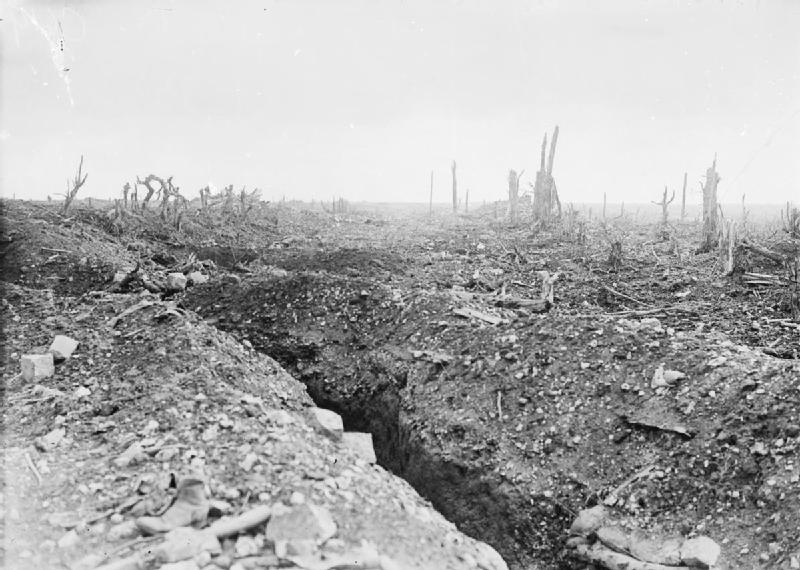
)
(545, 194)
(727, 249)
(513, 195)
(615, 256)
(710, 209)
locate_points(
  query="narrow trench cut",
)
(481, 504)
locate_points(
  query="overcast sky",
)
(362, 99)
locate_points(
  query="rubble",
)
(37, 367)
(62, 347)
(361, 443)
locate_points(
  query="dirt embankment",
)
(510, 429)
(508, 422)
(152, 394)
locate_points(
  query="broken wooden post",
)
(430, 199)
(455, 187)
(683, 199)
(73, 186)
(710, 207)
(545, 193)
(664, 203)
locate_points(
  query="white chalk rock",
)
(700, 552)
(361, 443)
(197, 278)
(588, 521)
(331, 421)
(301, 522)
(62, 347)
(176, 281)
(37, 366)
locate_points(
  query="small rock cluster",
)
(36, 367)
(596, 539)
(299, 535)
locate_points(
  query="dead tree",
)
(710, 214)
(466, 202)
(604, 206)
(727, 249)
(664, 203)
(205, 192)
(683, 197)
(513, 194)
(455, 187)
(125, 190)
(151, 189)
(73, 186)
(545, 193)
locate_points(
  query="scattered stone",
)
(37, 366)
(176, 282)
(330, 421)
(134, 454)
(663, 378)
(588, 521)
(81, 392)
(62, 347)
(183, 543)
(361, 443)
(123, 530)
(245, 546)
(297, 498)
(699, 552)
(50, 441)
(197, 278)
(306, 521)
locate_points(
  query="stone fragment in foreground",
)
(700, 552)
(62, 347)
(37, 366)
(361, 443)
(330, 421)
(302, 522)
(176, 281)
(588, 521)
(184, 542)
(197, 278)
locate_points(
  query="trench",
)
(526, 531)
(480, 504)
(525, 527)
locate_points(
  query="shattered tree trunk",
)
(727, 249)
(710, 209)
(513, 195)
(604, 206)
(683, 198)
(664, 203)
(455, 187)
(466, 202)
(545, 194)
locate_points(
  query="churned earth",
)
(509, 420)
